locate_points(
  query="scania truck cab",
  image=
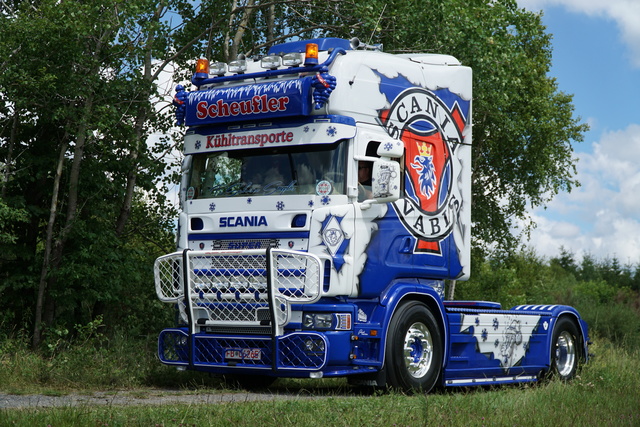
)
(325, 200)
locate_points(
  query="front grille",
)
(229, 288)
(239, 330)
(238, 244)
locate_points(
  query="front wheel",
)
(413, 351)
(566, 351)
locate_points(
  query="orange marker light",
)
(202, 68)
(311, 54)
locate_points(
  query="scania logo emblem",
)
(431, 132)
(332, 236)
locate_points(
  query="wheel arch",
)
(581, 326)
(403, 293)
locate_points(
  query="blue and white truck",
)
(325, 200)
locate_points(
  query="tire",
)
(566, 350)
(413, 353)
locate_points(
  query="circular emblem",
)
(431, 131)
(323, 188)
(332, 236)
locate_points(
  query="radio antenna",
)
(376, 26)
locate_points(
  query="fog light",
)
(218, 68)
(238, 66)
(292, 59)
(271, 62)
(314, 346)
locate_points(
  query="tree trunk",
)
(9, 158)
(271, 22)
(141, 119)
(53, 211)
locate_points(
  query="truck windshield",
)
(309, 169)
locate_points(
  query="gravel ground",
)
(145, 397)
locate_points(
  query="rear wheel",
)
(414, 349)
(566, 351)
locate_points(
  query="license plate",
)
(243, 354)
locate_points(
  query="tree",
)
(78, 98)
(77, 105)
(566, 261)
(523, 127)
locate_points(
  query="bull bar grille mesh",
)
(239, 288)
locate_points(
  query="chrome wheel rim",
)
(418, 350)
(565, 356)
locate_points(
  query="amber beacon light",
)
(202, 69)
(311, 54)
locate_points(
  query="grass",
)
(607, 392)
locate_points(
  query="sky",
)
(596, 57)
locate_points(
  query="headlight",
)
(325, 321)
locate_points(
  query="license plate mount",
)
(249, 354)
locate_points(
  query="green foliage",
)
(524, 127)
(76, 107)
(8, 218)
(77, 103)
(82, 359)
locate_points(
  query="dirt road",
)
(141, 397)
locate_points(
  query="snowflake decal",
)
(249, 200)
(332, 131)
(310, 203)
(495, 324)
(388, 146)
(325, 200)
(477, 321)
(212, 207)
(496, 343)
(280, 205)
(198, 145)
(485, 334)
(305, 129)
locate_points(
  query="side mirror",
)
(385, 181)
